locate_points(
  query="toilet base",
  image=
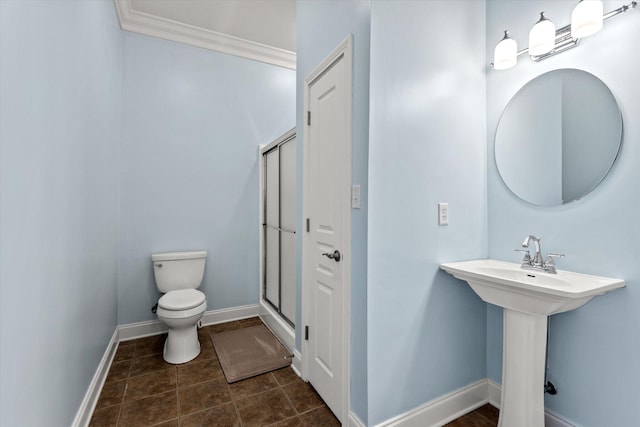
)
(181, 345)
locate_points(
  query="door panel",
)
(272, 266)
(288, 185)
(272, 217)
(328, 154)
(324, 341)
(288, 275)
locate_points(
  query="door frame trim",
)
(343, 50)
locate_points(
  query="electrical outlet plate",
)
(355, 197)
(443, 213)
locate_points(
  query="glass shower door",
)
(279, 229)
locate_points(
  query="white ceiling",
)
(268, 22)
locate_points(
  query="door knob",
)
(334, 256)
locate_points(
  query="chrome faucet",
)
(537, 262)
(537, 259)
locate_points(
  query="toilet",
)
(178, 276)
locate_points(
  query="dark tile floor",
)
(143, 390)
(484, 416)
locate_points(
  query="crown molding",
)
(155, 26)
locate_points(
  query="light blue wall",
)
(192, 123)
(426, 330)
(60, 80)
(321, 26)
(593, 350)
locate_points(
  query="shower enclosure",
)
(278, 235)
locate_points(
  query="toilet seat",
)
(183, 299)
(181, 314)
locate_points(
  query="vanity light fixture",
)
(545, 40)
(586, 18)
(542, 37)
(506, 53)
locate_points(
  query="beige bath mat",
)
(248, 352)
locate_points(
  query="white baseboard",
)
(83, 416)
(278, 326)
(296, 365)
(133, 331)
(213, 317)
(551, 419)
(495, 392)
(443, 409)
(354, 421)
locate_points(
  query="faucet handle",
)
(549, 265)
(527, 256)
(550, 257)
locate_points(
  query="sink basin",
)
(535, 292)
(528, 298)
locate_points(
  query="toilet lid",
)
(183, 299)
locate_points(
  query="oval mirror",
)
(558, 137)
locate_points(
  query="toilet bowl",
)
(178, 275)
(181, 315)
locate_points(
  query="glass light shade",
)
(586, 18)
(506, 53)
(542, 37)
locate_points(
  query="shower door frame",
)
(283, 327)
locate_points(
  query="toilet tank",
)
(178, 270)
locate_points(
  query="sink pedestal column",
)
(523, 360)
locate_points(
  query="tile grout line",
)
(179, 412)
(199, 411)
(297, 415)
(296, 409)
(289, 400)
(129, 377)
(259, 393)
(484, 417)
(162, 422)
(231, 396)
(264, 392)
(126, 384)
(235, 406)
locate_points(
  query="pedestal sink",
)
(528, 298)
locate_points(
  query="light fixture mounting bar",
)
(564, 41)
(620, 10)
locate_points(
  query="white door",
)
(328, 159)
